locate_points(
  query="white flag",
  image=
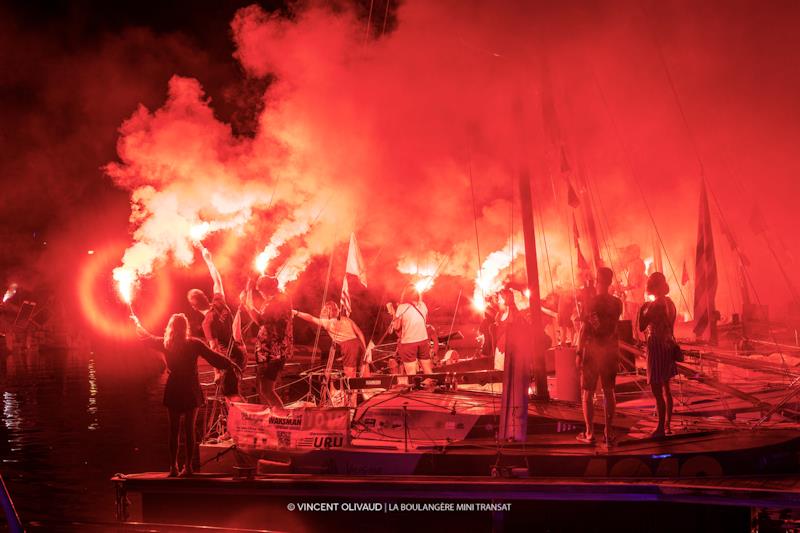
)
(355, 263)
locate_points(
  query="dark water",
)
(72, 419)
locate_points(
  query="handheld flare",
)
(125, 283)
(424, 284)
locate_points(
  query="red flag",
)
(685, 274)
(572, 196)
(705, 286)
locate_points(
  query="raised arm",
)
(150, 340)
(308, 318)
(248, 302)
(215, 359)
(212, 269)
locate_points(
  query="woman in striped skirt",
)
(657, 317)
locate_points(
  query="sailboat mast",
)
(532, 268)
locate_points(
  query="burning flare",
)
(126, 280)
(491, 276)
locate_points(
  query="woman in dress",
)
(657, 317)
(182, 394)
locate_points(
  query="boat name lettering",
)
(282, 421)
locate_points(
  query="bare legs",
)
(427, 366)
(610, 405)
(189, 419)
(174, 429)
(587, 399)
(663, 397)
(668, 414)
(610, 402)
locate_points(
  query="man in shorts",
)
(410, 322)
(598, 354)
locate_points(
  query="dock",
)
(296, 502)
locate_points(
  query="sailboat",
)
(435, 426)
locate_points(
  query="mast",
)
(525, 339)
(535, 302)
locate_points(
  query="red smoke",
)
(406, 136)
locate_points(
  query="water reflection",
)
(92, 406)
(73, 419)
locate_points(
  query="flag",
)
(345, 307)
(572, 196)
(355, 263)
(237, 326)
(705, 284)
(684, 274)
(583, 265)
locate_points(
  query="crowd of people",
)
(223, 345)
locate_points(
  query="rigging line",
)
(324, 299)
(453, 323)
(546, 248)
(635, 179)
(605, 233)
(569, 244)
(569, 237)
(512, 224)
(311, 225)
(728, 282)
(475, 222)
(385, 18)
(537, 206)
(369, 21)
(690, 133)
(671, 82)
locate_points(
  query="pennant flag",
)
(345, 307)
(684, 274)
(564, 163)
(705, 286)
(572, 196)
(355, 263)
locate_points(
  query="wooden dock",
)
(276, 501)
